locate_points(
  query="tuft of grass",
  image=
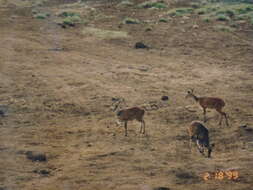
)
(224, 28)
(180, 11)
(222, 17)
(71, 20)
(104, 34)
(125, 3)
(150, 4)
(206, 19)
(68, 14)
(41, 15)
(163, 20)
(129, 20)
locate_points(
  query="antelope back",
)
(131, 114)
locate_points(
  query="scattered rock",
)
(42, 172)
(36, 156)
(195, 26)
(165, 98)
(140, 45)
(161, 188)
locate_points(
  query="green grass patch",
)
(163, 20)
(125, 3)
(150, 4)
(104, 34)
(129, 20)
(41, 15)
(224, 28)
(71, 20)
(68, 14)
(180, 11)
(206, 19)
(222, 17)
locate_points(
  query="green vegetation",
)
(163, 20)
(150, 4)
(222, 17)
(68, 14)
(180, 11)
(129, 20)
(71, 20)
(41, 15)
(125, 3)
(224, 28)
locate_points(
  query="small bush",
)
(68, 14)
(222, 17)
(163, 20)
(224, 28)
(150, 4)
(130, 21)
(125, 3)
(71, 20)
(180, 11)
(206, 19)
(41, 15)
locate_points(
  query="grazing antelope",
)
(211, 103)
(134, 113)
(125, 115)
(199, 134)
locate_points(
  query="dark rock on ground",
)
(140, 45)
(36, 156)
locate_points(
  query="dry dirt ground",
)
(59, 102)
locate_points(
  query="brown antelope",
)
(134, 113)
(199, 134)
(125, 115)
(211, 103)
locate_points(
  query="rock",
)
(36, 156)
(161, 188)
(140, 45)
(195, 26)
(42, 172)
(165, 98)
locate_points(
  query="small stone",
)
(36, 156)
(140, 45)
(195, 26)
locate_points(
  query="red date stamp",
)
(221, 175)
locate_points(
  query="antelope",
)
(133, 113)
(199, 134)
(211, 103)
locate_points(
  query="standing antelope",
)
(211, 103)
(199, 134)
(125, 115)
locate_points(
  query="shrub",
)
(41, 15)
(71, 20)
(180, 11)
(130, 21)
(222, 17)
(163, 20)
(206, 19)
(68, 14)
(125, 3)
(150, 4)
(224, 28)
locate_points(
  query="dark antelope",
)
(211, 103)
(199, 134)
